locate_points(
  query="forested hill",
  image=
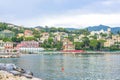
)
(104, 27)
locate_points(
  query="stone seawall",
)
(4, 75)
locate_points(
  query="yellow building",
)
(20, 35)
(109, 42)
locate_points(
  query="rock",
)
(10, 67)
(4, 75)
(12, 72)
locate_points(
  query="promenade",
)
(85, 52)
(9, 55)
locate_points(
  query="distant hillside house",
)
(7, 34)
(68, 45)
(108, 43)
(20, 35)
(76, 40)
(57, 38)
(60, 35)
(28, 33)
(101, 31)
(44, 37)
(8, 46)
(11, 25)
(114, 41)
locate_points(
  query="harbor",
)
(70, 67)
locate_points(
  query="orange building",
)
(28, 33)
(68, 45)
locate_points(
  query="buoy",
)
(62, 69)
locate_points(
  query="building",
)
(76, 40)
(68, 45)
(44, 37)
(60, 35)
(108, 43)
(8, 46)
(114, 41)
(20, 35)
(11, 25)
(28, 33)
(116, 38)
(101, 31)
(29, 46)
(81, 36)
(57, 38)
(45, 34)
(7, 34)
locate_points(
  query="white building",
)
(101, 31)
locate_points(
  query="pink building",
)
(28, 44)
(28, 33)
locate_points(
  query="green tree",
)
(86, 41)
(7, 40)
(100, 44)
(93, 44)
(53, 29)
(15, 39)
(3, 26)
(48, 43)
(79, 45)
(36, 33)
(58, 45)
(114, 47)
(71, 38)
(82, 31)
(61, 30)
(46, 29)
(29, 38)
(103, 35)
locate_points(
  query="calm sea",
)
(70, 67)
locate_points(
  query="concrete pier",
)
(9, 55)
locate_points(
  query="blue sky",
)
(66, 13)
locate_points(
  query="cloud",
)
(68, 13)
(78, 21)
(110, 2)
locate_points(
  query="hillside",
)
(104, 27)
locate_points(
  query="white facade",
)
(31, 49)
(101, 31)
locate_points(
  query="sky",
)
(60, 13)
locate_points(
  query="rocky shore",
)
(12, 72)
(4, 75)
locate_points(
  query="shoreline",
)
(85, 52)
(10, 71)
